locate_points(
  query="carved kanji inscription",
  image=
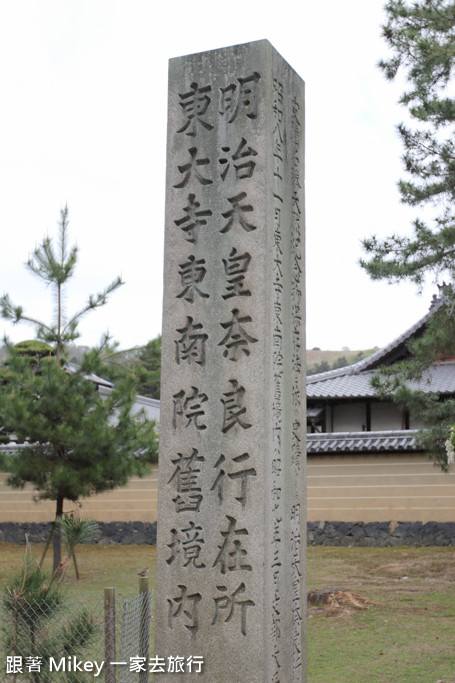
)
(192, 272)
(239, 161)
(191, 169)
(232, 555)
(236, 340)
(195, 218)
(188, 408)
(183, 608)
(230, 470)
(233, 408)
(235, 215)
(187, 542)
(190, 347)
(231, 606)
(186, 481)
(235, 268)
(240, 96)
(194, 104)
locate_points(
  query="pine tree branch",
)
(15, 314)
(94, 302)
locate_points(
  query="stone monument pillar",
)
(230, 590)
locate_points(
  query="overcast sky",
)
(83, 88)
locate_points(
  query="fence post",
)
(144, 626)
(109, 634)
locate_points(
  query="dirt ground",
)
(392, 608)
(360, 575)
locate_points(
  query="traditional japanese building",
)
(363, 460)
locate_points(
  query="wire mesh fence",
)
(78, 639)
(134, 645)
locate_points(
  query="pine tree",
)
(422, 38)
(426, 408)
(149, 369)
(143, 361)
(35, 604)
(78, 442)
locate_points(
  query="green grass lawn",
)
(406, 634)
(100, 566)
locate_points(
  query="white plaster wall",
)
(349, 417)
(385, 416)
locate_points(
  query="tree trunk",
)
(56, 540)
(76, 568)
(46, 547)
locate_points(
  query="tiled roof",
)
(439, 378)
(361, 442)
(354, 381)
(71, 367)
(379, 357)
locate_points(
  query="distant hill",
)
(322, 361)
(317, 360)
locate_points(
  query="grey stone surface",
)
(230, 575)
(124, 533)
(381, 534)
(333, 533)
